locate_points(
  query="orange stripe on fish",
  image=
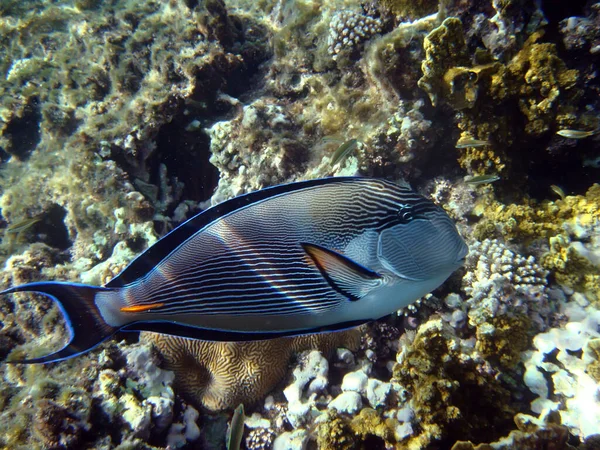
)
(141, 308)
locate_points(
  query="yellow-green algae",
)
(410, 8)
(453, 396)
(544, 89)
(593, 368)
(484, 90)
(339, 432)
(509, 337)
(527, 436)
(531, 220)
(445, 48)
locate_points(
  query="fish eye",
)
(404, 213)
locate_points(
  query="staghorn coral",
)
(221, 375)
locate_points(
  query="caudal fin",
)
(87, 328)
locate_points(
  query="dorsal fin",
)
(161, 249)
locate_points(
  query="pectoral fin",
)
(343, 274)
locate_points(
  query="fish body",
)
(482, 179)
(24, 225)
(558, 191)
(306, 257)
(470, 142)
(343, 151)
(236, 429)
(577, 134)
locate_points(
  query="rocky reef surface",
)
(120, 119)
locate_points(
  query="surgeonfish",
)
(306, 257)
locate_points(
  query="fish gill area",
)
(120, 119)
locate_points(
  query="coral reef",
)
(100, 89)
(113, 131)
(221, 375)
(530, 435)
(121, 395)
(582, 33)
(502, 283)
(569, 226)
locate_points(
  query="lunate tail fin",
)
(87, 328)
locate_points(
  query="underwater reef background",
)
(120, 119)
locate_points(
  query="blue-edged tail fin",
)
(87, 328)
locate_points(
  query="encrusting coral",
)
(221, 375)
(483, 90)
(570, 226)
(564, 383)
(454, 392)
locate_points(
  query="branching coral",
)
(500, 282)
(348, 31)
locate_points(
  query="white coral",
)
(501, 282)
(562, 355)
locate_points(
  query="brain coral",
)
(221, 375)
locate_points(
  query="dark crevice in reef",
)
(182, 145)
(52, 229)
(550, 160)
(186, 154)
(555, 11)
(23, 133)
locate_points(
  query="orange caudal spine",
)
(141, 308)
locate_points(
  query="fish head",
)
(423, 244)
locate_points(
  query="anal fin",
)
(342, 273)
